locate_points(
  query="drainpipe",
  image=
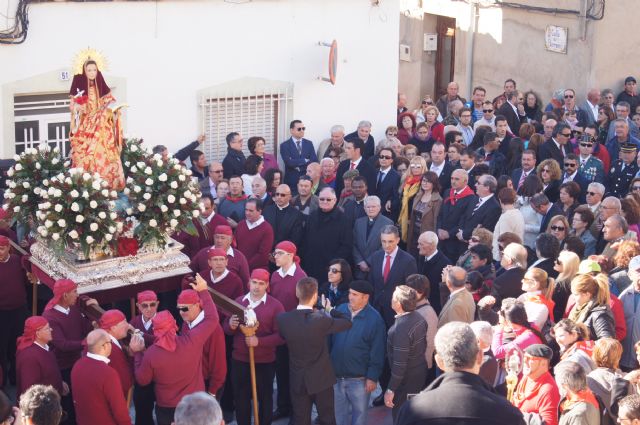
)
(473, 15)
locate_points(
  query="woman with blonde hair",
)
(550, 173)
(592, 306)
(538, 288)
(559, 227)
(607, 381)
(566, 265)
(575, 343)
(409, 187)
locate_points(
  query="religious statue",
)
(96, 132)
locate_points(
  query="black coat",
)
(369, 145)
(601, 323)
(517, 174)
(553, 211)
(326, 236)
(459, 398)
(486, 216)
(445, 178)
(451, 218)
(286, 224)
(233, 164)
(387, 190)
(514, 120)
(366, 170)
(547, 266)
(507, 285)
(549, 150)
(432, 269)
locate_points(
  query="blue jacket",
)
(359, 351)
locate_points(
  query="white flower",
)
(74, 193)
(148, 181)
(137, 189)
(126, 191)
(113, 194)
(56, 150)
(119, 226)
(171, 199)
(43, 147)
(113, 216)
(26, 185)
(86, 176)
(62, 222)
(104, 192)
(159, 163)
(89, 239)
(25, 198)
(134, 148)
(32, 151)
(153, 223)
(38, 166)
(68, 180)
(147, 196)
(18, 167)
(173, 185)
(93, 227)
(96, 185)
(51, 191)
(188, 172)
(16, 158)
(93, 204)
(140, 164)
(55, 236)
(162, 177)
(148, 171)
(12, 184)
(48, 223)
(108, 237)
(57, 193)
(127, 164)
(187, 194)
(142, 207)
(196, 213)
(173, 223)
(45, 182)
(73, 234)
(182, 178)
(112, 204)
(157, 156)
(102, 215)
(129, 211)
(58, 208)
(177, 166)
(54, 161)
(79, 218)
(44, 233)
(183, 201)
(85, 194)
(134, 169)
(176, 213)
(164, 208)
(75, 207)
(194, 198)
(16, 208)
(112, 229)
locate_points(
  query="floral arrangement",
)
(163, 198)
(132, 153)
(77, 211)
(32, 171)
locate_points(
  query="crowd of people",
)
(476, 240)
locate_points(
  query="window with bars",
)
(42, 118)
(259, 112)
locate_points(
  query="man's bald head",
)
(97, 342)
(456, 278)
(459, 179)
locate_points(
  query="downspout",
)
(473, 15)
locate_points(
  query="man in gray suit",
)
(590, 107)
(366, 235)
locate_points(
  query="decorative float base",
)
(112, 273)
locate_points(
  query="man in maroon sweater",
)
(237, 261)
(174, 362)
(97, 391)
(283, 288)
(143, 396)
(220, 278)
(13, 305)
(264, 342)
(115, 324)
(254, 235)
(35, 362)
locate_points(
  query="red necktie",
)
(353, 165)
(387, 268)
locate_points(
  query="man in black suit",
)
(311, 373)
(486, 212)
(509, 283)
(387, 184)
(572, 174)
(558, 147)
(541, 204)
(468, 159)
(233, 162)
(389, 267)
(490, 155)
(354, 148)
(502, 130)
(441, 167)
(456, 206)
(528, 166)
(513, 111)
(431, 262)
(296, 152)
(285, 220)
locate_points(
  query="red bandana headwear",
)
(147, 296)
(164, 330)
(260, 274)
(290, 247)
(216, 252)
(4, 241)
(188, 296)
(60, 288)
(111, 318)
(223, 229)
(32, 325)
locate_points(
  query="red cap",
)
(164, 330)
(260, 274)
(216, 252)
(60, 288)
(287, 246)
(147, 296)
(4, 241)
(32, 325)
(111, 318)
(223, 229)
(188, 296)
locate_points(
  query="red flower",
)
(127, 246)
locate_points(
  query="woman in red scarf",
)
(406, 127)
(409, 186)
(574, 342)
(537, 287)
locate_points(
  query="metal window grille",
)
(262, 114)
(42, 118)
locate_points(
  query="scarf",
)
(238, 199)
(453, 198)
(541, 299)
(164, 330)
(584, 346)
(330, 179)
(579, 314)
(408, 192)
(585, 396)
(32, 325)
(60, 288)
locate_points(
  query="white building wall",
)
(168, 50)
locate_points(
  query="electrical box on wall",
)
(430, 42)
(405, 52)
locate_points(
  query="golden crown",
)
(88, 54)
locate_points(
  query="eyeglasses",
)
(586, 145)
(281, 195)
(565, 134)
(148, 305)
(217, 171)
(325, 199)
(334, 270)
(384, 157)
(415, 166)
(558, 228)
(545, 170)
(458, 141)
(427, 102)
(279, 253)
(592, 193)
(568, 96)
(570, 165)
(635, 188)
(487, 111)
(183, 309)
(301, 128)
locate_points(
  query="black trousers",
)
(164, 415)
(144, 398)
(67, 401)
(11, 327)
(282, 379)
(226, 398)
(303, 402)
(241, 375)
